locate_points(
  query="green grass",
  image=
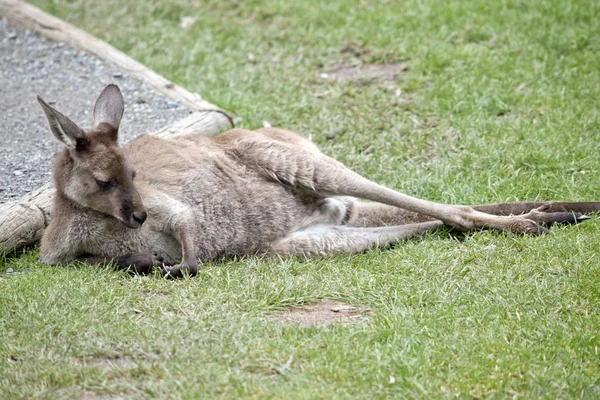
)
(499, 102)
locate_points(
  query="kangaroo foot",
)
(464, 218)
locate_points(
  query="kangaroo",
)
(196, 198)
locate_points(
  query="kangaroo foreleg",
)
(172, 216)
(189, 262)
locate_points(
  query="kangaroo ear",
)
(65, 130)
(109, 107)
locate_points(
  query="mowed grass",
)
(498, 102)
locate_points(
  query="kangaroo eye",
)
(105, 185)
(133, 174)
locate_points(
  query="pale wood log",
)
(53, 28)
(23, 221)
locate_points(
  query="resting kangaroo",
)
(240, 193)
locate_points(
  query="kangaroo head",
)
(93, 172)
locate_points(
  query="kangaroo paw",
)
(179, 271)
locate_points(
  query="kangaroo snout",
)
(140, 216)
(135, 220)
(133, 217)
(132, 210)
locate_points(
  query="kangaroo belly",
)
(234, 210)
(225, 215)
(245, 219)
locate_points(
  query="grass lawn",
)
(496, 101)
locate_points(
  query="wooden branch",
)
(23, 221)
(53, 28)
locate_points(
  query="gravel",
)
(69, 80)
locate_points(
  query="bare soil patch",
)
(74, 392)
(151, 293)
(360, 63)
(324, 312)
(109, 363)
(371, 72)
(99, 396)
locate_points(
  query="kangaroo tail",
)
(549, 207)
(551, 212)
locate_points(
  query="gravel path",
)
(70, 81)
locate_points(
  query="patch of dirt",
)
(361, 63)
(348, 72)
(109, 363)
(98, 396)
(354, 49)
(74, 392)
(161, 294)
(324, 312)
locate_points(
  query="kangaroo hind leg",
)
(322, 240)
(314, 172)
(365, 214)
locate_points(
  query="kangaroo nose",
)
(140, 216)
